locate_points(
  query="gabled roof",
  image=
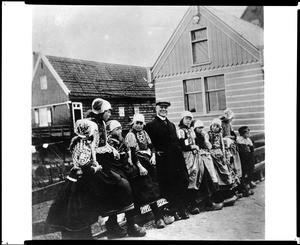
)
(243, 32)
(95, 79)
(252, 33)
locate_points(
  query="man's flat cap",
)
(163, 103)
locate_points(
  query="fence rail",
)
(52, 131)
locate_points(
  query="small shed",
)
(63, 90)
(213, 61)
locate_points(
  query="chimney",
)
(35, 56)
(149, 75)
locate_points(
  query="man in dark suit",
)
(170, 165)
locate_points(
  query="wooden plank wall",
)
(244, 87)
(223, 52)
(146, 107)
(245, 96)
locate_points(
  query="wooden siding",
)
(61, 115)
(167, 81)
(146, 107)
(244, 95)
(224, 51)
(46, 97)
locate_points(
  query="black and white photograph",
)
(150, 123)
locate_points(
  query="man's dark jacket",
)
(170, 164)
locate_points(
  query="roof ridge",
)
(98, 62)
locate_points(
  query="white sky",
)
(280, 108)
(132, 35)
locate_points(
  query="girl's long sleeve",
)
(183, 146)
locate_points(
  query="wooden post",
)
(71, 120)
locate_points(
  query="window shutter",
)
(43, 82)
(43, 117)
(200, 46)
(36, 117)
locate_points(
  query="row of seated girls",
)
(219, 165)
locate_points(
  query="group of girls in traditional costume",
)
(113, 175)
(201, 185)
(97, 185)
(220, 165)
(137, 156)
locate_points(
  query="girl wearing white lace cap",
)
(108, 156)
(145, 186)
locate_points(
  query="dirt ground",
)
(243, 221)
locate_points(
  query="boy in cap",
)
(246, 150)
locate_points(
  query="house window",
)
(136, 109)
(205, 95)
(200, 46)
(43, 82)
(194, 95)
(121, 112)
(77, 111)
(215, 93)
(44, 117)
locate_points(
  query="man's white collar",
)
(162, 118)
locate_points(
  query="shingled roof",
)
(96, 79)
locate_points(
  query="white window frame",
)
(204, 95)
(121, 111)
(43, 82)
(76, 106)
(198, 41)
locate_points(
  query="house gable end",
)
(46, 90)
(43, 58)
(225, 47)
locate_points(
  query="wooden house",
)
(63, 90)
(213, 61)
(255, 15)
